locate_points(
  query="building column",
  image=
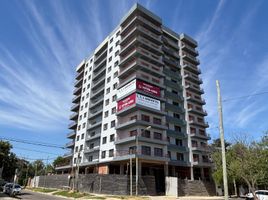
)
(202, 174)
(166, 169)
(122, 169)
(192, 172)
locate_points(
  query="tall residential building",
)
(139, 95)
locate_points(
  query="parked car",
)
(2, 184)
(12, 190)
(261, 194)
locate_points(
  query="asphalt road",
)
(26, 194)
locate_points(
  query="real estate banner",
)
(127, 102)
(140, 85)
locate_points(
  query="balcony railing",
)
(71, 134)
(190, 49)
(191, 68)
(199, 123)
(193, 78)
(199, 112)
(194, 88)
(69, 144)
(190, 58)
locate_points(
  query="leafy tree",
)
(60, 161)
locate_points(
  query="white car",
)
(8, 189)
(261, 194)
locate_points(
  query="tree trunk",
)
(235, 189)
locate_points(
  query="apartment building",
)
(138, 96)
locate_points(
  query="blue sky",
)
(41, 42)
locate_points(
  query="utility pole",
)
(225, 183)
(130, 169)
(137, 166)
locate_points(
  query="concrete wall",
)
(172, 186)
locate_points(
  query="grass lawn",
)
(70, 194)
(45, 190)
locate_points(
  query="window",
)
(81, 108)
(135, 117)
(111, 40)
(106, 102)
(112, 123)
(114, 98)
(118, 33)
(145, 150)
(105, 126)
(74, 160)
(196, 157)
(104, 140)
(84, 125)
(106, 114)
(201, 132)
(88, 86)
(117, 43)
(91, 60)
(85, 115)
(133, 133)
(86, 105)
(80, 117)
(145, 133)
(76, 149)
(85, 80)
(115, 74)
(158, 152)
(109, 69)
(85, 73)
(111, 153)
(84, 89)
(112, 138)
(87, 95)
(90, 158)
(175, 103)
(176, 115)
(192, 130)
(145, 118)
(113, 110)
(92, 133)
(115, 86)
(180, 156)
(81, 147)
(82, 136)
(103, 154)
(169, 154)
(178, 142)
(108, 79)
(107, 90)
(89, 76)
(177, 128)
(91, 146)
(156, 121)
(116, 63)
(174, 92)
(157, 136)
(194, 143)
(132, 150)
(83, 98)
(110, 50)
(79, 127)
(110, 59)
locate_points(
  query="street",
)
(26, 194)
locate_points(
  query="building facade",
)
(139, 96)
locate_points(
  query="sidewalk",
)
(185, 198)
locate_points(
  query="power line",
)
(33, 142)
(35, 151)
(246, 96)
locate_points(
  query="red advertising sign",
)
(150, 89)
(127, 102)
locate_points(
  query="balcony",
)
(193, 78)
(91, 150)
(174, 120)
(172, 84)
(71, 135)
(174, 108)
(196, 100)
(178, 148)
(190, 58)
(200, 136)
(173, 96)
(68, 155)
(206, 163)
(198, 112)
(191, 68)
(98, 83)
(124, 125)
(99, 74)
(76, 98)
(94, 125)
(79, 75)
(78, 83)
(72, 125)
(77, 91)
(94, 137)
(176, 134)
(96, 102)
(170, 52)
(146, 23)
(69, 144)
(100, 57)
(74, 116)
(189, 49)
(179, 163)
(95, 113)
(200, 149)
(195, 89)
(171, 62)
(130, 139)
(185, 38)
(99, 65)
(75, 108)
(97, 92)
(199, 123)
(172, 74)
(171, 43)
(140, 64)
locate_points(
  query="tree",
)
(60, 161)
